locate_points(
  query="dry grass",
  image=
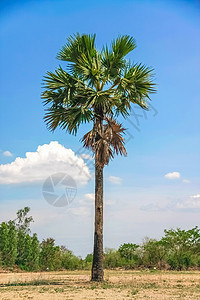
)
(117, 285)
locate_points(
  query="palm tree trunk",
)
(97, 266)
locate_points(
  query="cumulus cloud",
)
(193, 202)
(173, 175)
(115, 180)
(47, 160)
(7, 153)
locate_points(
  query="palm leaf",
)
(136, 85)
(105, 141)
(113, 133)
(113, 58)
(67, 118)
(76, 46)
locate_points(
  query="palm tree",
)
(96, 87)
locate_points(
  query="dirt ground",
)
(117, 285)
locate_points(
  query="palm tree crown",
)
(96, 87)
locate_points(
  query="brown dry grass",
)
(117, 285)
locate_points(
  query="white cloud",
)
(186, 181)
(7, 153)
(110, 202)
(90, 196)
(84, 207)
(90, 199)
(47, 160)
(115, 180)
(86, 156)
(80, 211)
(173, 175)
(195, 196)
(87, 199)
(193, 202)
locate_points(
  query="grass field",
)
(117, 285)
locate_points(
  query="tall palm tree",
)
(96, 87)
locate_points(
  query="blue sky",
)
(140, 200)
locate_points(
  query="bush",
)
(50, 255)
(70, 261)
(153, 254)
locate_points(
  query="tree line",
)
(177, 250)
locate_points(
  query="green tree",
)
(1, 263)
(23, 221)
(12, 243)
(50, 255)
(69, 260)
(87, 263)
(112, 259)
(89, 258)
(28, 252)
(21, 239)
(183, 247)
(128, 251)
(31, 253)
(35, 252)
(8, 243)
(97, 87)
(4, 242)
(154, 254)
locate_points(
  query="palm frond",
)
(113, 58)
(80, 51)
(123, 45)
(136, 85)
(67, 118)
(59, 79)
(89, 140)
(76, 46)
(89, 69)
(105, 141)
(113, 133)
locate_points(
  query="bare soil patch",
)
(118, 285)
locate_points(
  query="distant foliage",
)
(69, 260)
(182, 247)
(112, 259)
(177, 250)
(50, 255)
(153, 254)
(8, 243)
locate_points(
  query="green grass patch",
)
(32, 283)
